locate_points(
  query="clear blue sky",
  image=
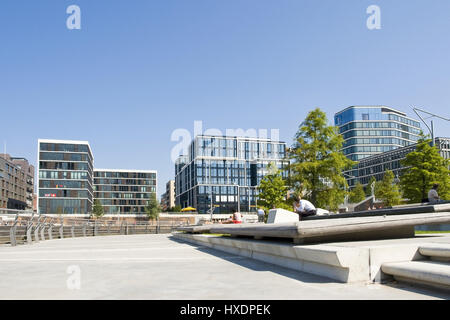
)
(137, 70)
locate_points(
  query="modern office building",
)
(168, 198)
(370, 130)
(65, 177)
(16, 183)
(223, 172)
(377, 165)
(124, 191)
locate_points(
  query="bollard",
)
(95, 229)
(43, 232)
(126, 228)
(84, 229)
(72, 231)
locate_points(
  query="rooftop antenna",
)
(431, 129)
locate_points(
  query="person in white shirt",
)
(261, 214)
(433, 196)
(304, 208)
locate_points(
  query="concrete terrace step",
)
(439, 252)
(428, 273)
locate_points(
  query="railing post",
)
(61, 229)
(12, 235)
(50, 230)
(108, 228)
(126, 228)
(95, 228)
(43, 231)
(29, 238)
(72, 230)
(36, 232)
(84, 229)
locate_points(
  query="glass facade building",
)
(370, 130)
(224, 172)
(65, 177)
(124, 191)
(375, 166)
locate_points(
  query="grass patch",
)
(425, 232)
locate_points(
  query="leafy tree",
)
(387, 190)
(177, 208)
(317, 162)
(152, 209)
(357, 194)
(272, 189)
(424, 167)
(97, 210)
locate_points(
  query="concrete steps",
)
(433, 271)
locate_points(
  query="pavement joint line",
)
(125, 259)
(91, 250)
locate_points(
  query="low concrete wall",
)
(338, 263)
(352, 263)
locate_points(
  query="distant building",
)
(16, 183)
(376, 165)
(168, 198)
(224, 172)
(68, 182)
(371, 130)
(124, 191)
(65, 177)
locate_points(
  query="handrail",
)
(39, 227)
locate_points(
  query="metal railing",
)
(28, 227)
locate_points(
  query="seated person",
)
(433, 196)
(303, 207)
(235, 218)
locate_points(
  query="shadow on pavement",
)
(259, 266)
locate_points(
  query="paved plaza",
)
(160, 267)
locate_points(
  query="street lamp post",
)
(346, 188)
(431, 129)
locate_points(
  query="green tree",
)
(272, 189)
(387, 190)
(424, 167)
(317, 162)
(357, 194)
(97, 210)
(177, 208)
(152, 209)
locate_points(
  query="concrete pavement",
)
(159, 267)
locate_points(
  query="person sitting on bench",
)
(433, 196)
(304, 208)
(235, 218)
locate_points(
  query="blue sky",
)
(138, 70)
